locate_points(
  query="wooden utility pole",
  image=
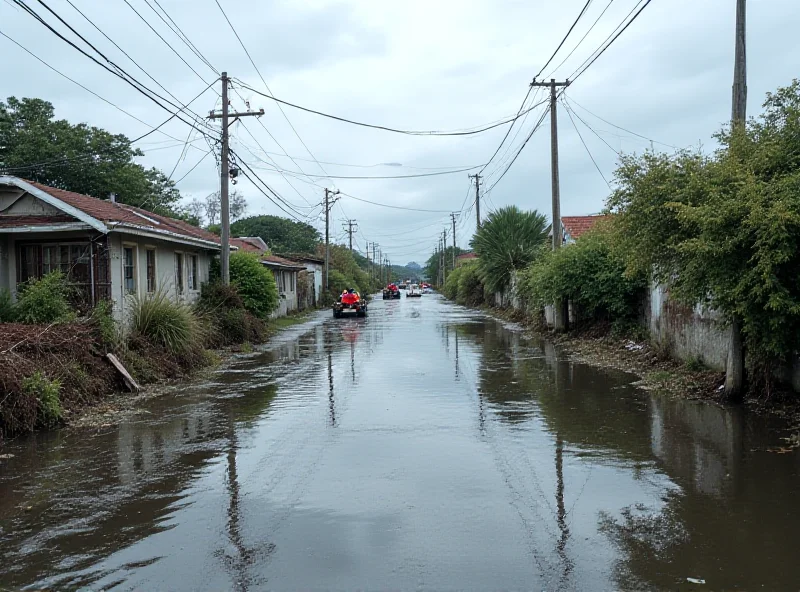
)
(224, 176)
(374, 247)
(328, 205)
(350, 227)
(453, 216)
(477, 199)
(561, 310)
(444, 256)
(734, 368)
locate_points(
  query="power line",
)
(577, 45)
(479, 130)
(566, 107)
(180, 34)
(572, 100)
(575, 76)
(610, 147)
(389, 176)
(585, 6)
(277, 197)
(146, 22)
(375, 203)
(194, 167)
(311, 154)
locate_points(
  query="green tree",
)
(509, 239)
(431, 269)
(79, 158)
(281, 234)
(254, 283)
(724, 230)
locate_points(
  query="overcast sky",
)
(418, 65)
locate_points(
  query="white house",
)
(313, 267)
(109, 250)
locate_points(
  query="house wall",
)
(6, 262)
(165, 270)
(287, 297)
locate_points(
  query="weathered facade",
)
(110, 251)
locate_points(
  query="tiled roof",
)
(280, 262)
(247, 244)
(116, 213)
(467, 256)
(14, 221)
(575, 226)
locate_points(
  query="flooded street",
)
(423, 447)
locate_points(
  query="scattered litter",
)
(633, 346)
(720, 387)
(6, 456)
(695, 580)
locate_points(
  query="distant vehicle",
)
(413, 291)
(402, 286)
(427, 290)
(391, 292)
(350, 304)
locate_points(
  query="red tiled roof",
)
(247, 244)
(575, 226)
(281, 261)
(117, 213)
(14, 221)
(467, 256)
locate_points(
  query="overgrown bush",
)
(44, 300)
(228, 322)
(450, 288)
(103, 318)
(6, 307)
(588, 273)
(471, 290)
(46, 392)
(164, 323)
(255, 283)
(338, 282)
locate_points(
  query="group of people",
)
(349, 296)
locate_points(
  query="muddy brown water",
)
(424, 447)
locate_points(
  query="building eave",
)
(127, 228)
(28, 229)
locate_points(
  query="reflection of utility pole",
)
(331, 405)
(456, 330)
(353, 361)
(560, 316)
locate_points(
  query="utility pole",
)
(444, 256)
(328, 205)
(561, 309)
(477, 199)
(225, 175)
(453, 218)
(734, 368)
(374, 247)
(350, 227)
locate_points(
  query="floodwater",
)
(425, 447)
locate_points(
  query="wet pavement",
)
(425, 447)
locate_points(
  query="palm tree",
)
(508, 240)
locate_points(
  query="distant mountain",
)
(414, 265)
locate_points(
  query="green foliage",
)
(254, 283)
(165, 323)
(346, 272)
(106, 325)
(223, 309)
(81, 158)
(44, 300)
(431, 269)
(450, 288)
(508, 240)
(337, 282)
(6, 306)
(471, 291)
(589, 273)
(725, 230)
(281, 234)
(46, 392)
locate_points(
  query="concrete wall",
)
(684, 331)
(165, 270)
(287, 297)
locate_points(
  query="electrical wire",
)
(194, 167)
(375, 203)
(610, 147)
(575, 76)
(180, 34)
(577, 45)
(583, 10)
(594, 162)
(478, 130)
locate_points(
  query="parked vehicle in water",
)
(350, 304)
(413, 291)
(391, 292)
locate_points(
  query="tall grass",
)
(165, 323)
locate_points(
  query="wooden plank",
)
(130, 383)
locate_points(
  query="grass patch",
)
(165, 323)
(46, 393)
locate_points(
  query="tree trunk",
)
(734, 371)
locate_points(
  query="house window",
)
(49, 260)
(151, 270)
(179, 272)
(191, 270)
(129, 269)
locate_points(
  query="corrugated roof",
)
(280, 262)
(247, 244)
(467, 256)
(15, 221)
(116, 213)
(575, 226)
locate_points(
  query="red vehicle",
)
(391, 292)
(350, 304)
